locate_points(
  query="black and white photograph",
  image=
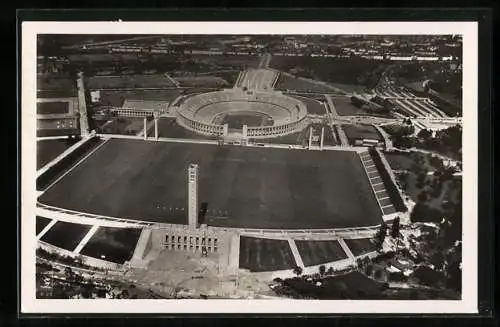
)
(283, 167)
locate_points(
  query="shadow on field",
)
(203, 212)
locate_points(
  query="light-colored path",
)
(85, 239)
(82, 106)
(346, 249)
(46, 228)
(295, 252)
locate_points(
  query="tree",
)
(424, 134)
(68, 273)
(380, 236)
(369, 269)
(395, 228)
(297, 270)
(322, 270)
(125, 294)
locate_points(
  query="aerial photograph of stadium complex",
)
(249, 167)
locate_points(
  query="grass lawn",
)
(121, 125)
(117, 98)
(313, 106)
(65, 235)
(115, 244)
(128, 81)
(354, 132)
(251, 120)
(242, 186)
(201, 81)
(259, 254)
(290, 83)
(48, 108)
(360, 246)
(167, 127)
(41, 223)
(319, 252)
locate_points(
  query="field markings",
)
(46, 229)
(75, 165)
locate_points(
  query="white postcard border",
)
(29, 304)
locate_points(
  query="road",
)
(335, 116)
(265, 61)
(82, 106)
(258, 79)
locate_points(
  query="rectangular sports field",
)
(360, 246)
(241, 186)
(260, 254)
(65, 235)
(319, 252)
(112, 244)
(48, 150)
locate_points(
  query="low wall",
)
(281, 130)
(199, 127)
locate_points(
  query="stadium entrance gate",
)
(234, 138)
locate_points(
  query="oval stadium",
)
(265, 113)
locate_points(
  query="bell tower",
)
(193, 195)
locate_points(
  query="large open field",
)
(237, 121)
(241, 186)
(355, 71)
(167, 127)
(202, 81)
(128, 81)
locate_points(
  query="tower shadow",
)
(202, 212)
